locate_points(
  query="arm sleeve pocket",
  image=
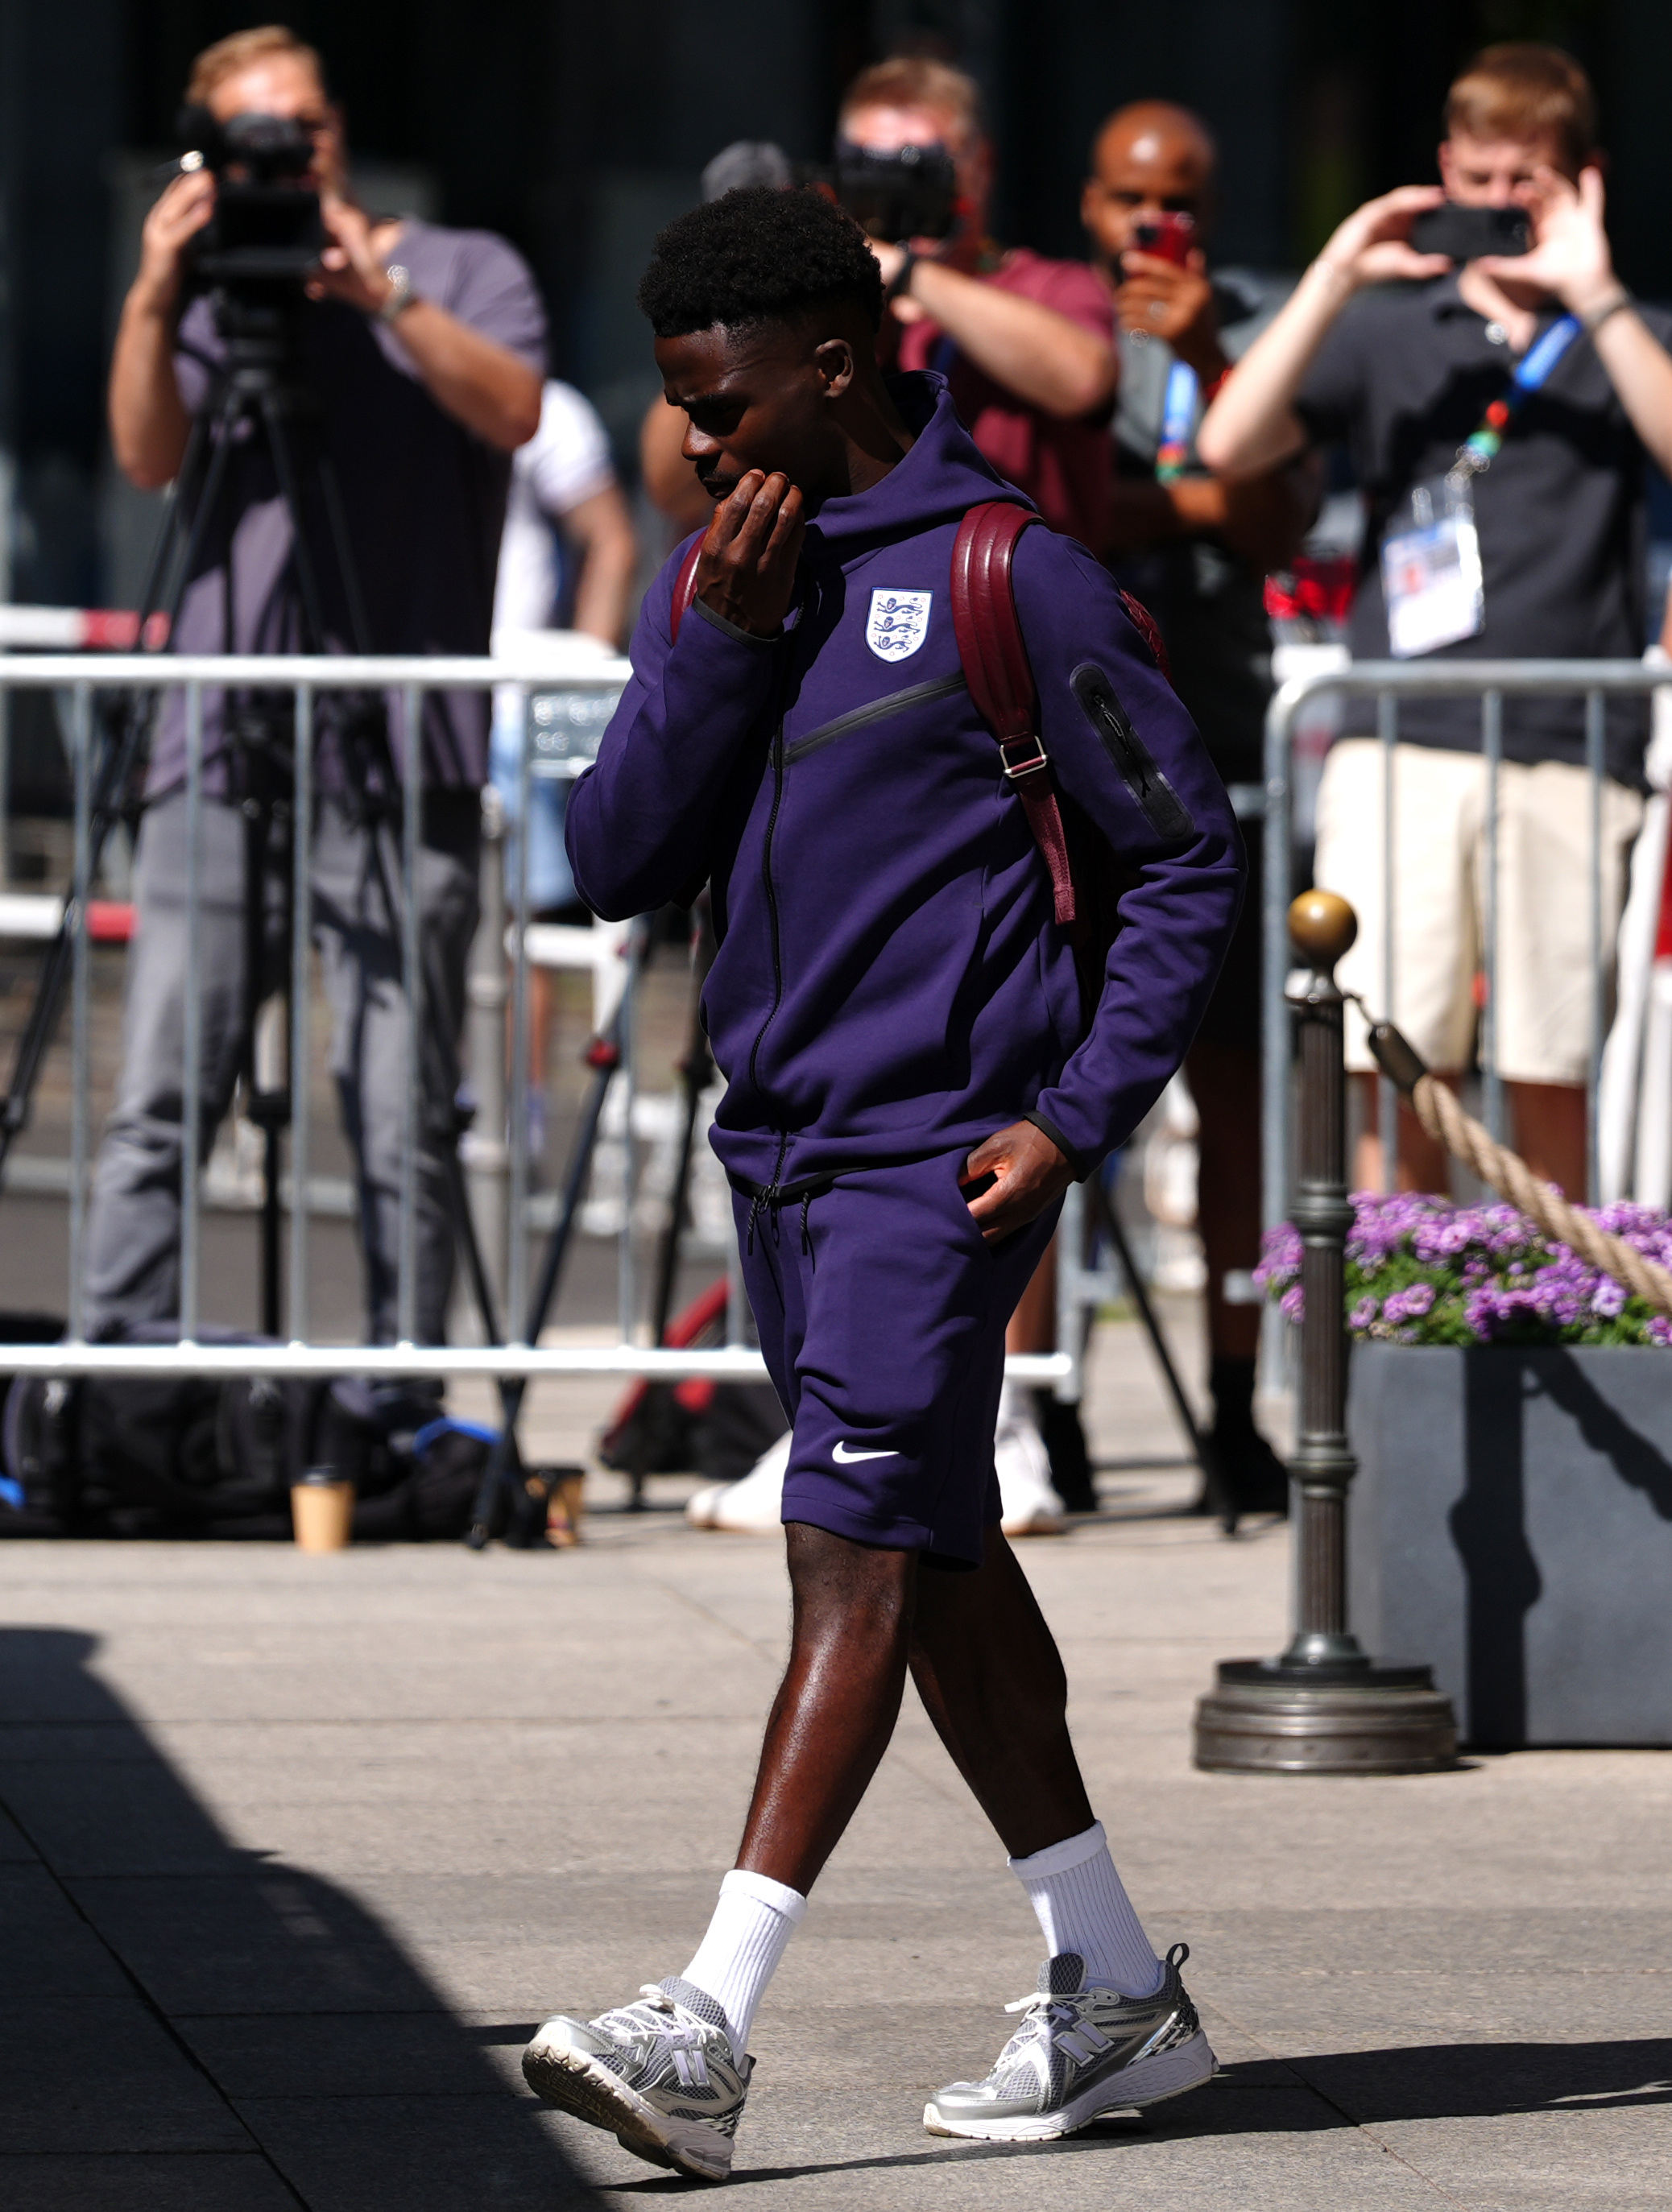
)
(1160, 804)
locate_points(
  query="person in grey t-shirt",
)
(424, 349)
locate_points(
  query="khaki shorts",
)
(1544, 949)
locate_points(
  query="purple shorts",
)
(882, 1319)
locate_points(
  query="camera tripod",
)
(500, 1478)
(263, 394)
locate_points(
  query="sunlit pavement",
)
(300, 1849)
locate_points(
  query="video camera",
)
(909, 192)
(266, 228)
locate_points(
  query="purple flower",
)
(1487, 1266)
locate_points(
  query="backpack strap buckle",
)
(1039, 758)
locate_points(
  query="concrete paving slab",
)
(353, 1825)
(444, 2154)
(64, 2096)
(246, 2184)
(49, 1950)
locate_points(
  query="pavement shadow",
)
(1479, 2080)
(1334, 2090)
(189, 2027)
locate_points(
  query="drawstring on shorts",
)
(774, 1196)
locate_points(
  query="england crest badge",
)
(899, 623)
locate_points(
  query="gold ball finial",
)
(1322, 926)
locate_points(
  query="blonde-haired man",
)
(1498, 415)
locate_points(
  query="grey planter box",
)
(1511, 1525)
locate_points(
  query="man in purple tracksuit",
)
(911, 1088)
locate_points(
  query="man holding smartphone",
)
(1194, 550)
(1498, 415)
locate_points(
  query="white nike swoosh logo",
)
(844, 1455)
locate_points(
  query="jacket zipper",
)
(772, 914)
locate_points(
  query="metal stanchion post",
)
(487, 1157)
(1324, 1706)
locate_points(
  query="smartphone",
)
(1465, 233)
(1168, 236)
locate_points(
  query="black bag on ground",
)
(194, 1455)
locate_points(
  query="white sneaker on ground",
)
(753, 1506)
(1028, 1505)
(660, 2075)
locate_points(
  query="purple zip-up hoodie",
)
(890, 982)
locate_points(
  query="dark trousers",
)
(134, 1221)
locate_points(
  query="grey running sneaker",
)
(1078, 2052)
(660, 2074)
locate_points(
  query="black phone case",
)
(1465, 233)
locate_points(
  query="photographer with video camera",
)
(1026, 345)
(406, 363)
(1497, 387)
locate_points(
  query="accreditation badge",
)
(1431, 573)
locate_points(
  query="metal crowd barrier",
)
(559, 737)
(1388, 682)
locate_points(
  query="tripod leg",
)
(605, 1058)
(114, 775)
(1201, 1449)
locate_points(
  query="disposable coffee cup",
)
(322, 1512)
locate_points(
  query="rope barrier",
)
(1437, 1108)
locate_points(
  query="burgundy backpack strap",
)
(685, 586)
(995, 668)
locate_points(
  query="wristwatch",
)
(401, 294)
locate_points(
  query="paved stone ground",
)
(299, 1849)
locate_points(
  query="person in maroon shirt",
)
(1026, 345)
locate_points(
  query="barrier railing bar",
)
(80, 1007)
(1595, 758)
(1598, 679)
(301, 947)
(516, 1267)
(412, 745)
(625, 1360)
(192, 1058)
(1491, 746)
(1387, 1095)
(329, 671)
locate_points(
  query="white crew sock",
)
(753, 1921)
(1082, 1906)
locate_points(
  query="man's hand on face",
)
(746, 569)
(1570, 257)
(349, 269)
(1160, 299)
(1031, 1173)
(179, 214)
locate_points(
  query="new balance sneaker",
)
(1080, 2052)
(660, 2074)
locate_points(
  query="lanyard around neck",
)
(1482, 447)
(1178, 415)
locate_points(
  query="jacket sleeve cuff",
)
(1082, 1167)
(730, 628)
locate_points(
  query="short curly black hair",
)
(757, 255)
